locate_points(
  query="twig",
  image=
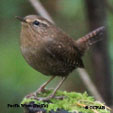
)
(89, 84)
(40, 9)
(83, 105)
(83, 74)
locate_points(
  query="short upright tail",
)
(84, 42)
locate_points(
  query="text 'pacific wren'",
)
(51, 51)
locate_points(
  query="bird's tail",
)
(84, 42)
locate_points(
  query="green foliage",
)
(73, 102)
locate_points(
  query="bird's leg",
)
(41, 89)
(58, 86)
(54, 92)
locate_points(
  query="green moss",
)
(72, 102)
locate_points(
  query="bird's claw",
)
(31, 95)
(34, 96)
(40, 90)
(50, 97)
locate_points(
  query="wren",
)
(51, 51)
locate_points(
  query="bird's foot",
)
(36, 93)
(40, 90)
(34, 96)
(31, 95)
(50, 97)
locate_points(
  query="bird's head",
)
(35, 23)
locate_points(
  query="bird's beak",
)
(21, 19)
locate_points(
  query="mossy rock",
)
(71, 103)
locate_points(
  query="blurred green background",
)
(17, 78)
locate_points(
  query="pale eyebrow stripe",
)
(42, 21)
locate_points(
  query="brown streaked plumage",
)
(51, 51)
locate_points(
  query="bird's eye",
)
(36, 23)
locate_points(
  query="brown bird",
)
(51, 51)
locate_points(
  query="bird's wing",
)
(65, 51)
